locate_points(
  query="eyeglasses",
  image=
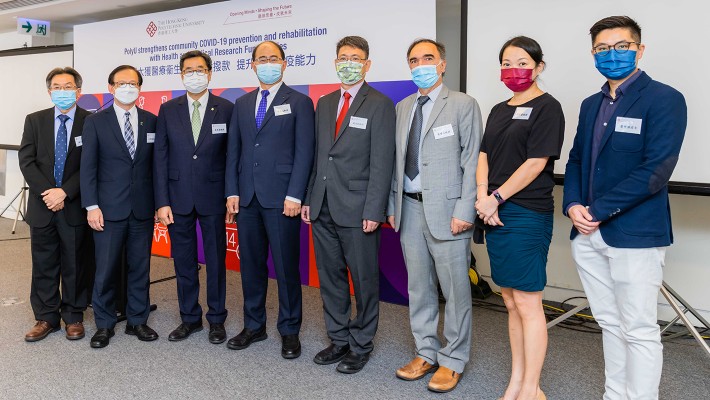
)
(124, 85)
(198, 71)
(270, 60)
(620, 47)
(66, 87)
(354, 59)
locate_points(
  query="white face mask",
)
(126, 95)
(195, 83)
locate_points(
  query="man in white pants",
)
(616, 194)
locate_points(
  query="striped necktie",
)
(128, 135)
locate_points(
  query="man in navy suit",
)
(616, 194)
(190, 154)
(269, 157)
(117, 192)
(50, 154)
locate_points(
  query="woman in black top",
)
(522, 139)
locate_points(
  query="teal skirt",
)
(518, 250)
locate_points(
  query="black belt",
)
(415, 196)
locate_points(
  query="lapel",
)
(250, 114)
(439, 105)
(633, 93)
(210, 113)
(279, 98)
(111, 118)
(403, 134)
(184, 114)
(75, 131)
(357, 102)
(141, 137)
(47, 130)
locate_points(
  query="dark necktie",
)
(128, 135)
(343, 111)
(261, 111)
(411, 166)
(60, 150)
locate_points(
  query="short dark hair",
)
(353, 41)
(617, 21)
(530, 46)
(66, 70)
(196, 53)
(281, 50)
(439, 47)
(123, 68)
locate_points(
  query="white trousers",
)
(622, 287)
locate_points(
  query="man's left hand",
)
(291, 208)
(369, 226)
(458, 226)
(52, 197)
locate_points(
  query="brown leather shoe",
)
(75, 331)
(40, 331)
(444, 380)
(416, 369)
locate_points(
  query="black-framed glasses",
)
(620, 47)
(270, 60)
(124, 85)
(354, 59)
(198, 71)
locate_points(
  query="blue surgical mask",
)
(614, 65)
(425, 76)
(63, 99)
(268, 73)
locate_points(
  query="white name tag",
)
(443, 131)
(282, 109)
(77, 141)
(522, 113)
(218, 129)
(628, 125)
(357, 122)
(151, 137)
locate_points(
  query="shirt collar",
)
(353, 90)
(433, 94)
(70, 114)
(121, 112)
(272, 90)
(622, 88)
(203, 100)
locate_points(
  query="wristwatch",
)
(498, 197)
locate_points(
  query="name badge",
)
(77, 141)
(628, 125)
(151, 137)
(443, 131)
(282, 109)
(357, 122)
(218, 129)
(522, 113)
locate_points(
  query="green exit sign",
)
(32, 27)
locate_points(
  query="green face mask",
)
(349, 72)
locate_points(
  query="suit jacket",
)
(630, 189)
(274, 161)
(355, 168)
(448, 164)
(110, 179)
(186, 175)
(36, 158)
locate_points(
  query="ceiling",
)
(64, 14)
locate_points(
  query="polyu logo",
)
(151, 29)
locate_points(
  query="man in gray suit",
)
(346, 201)
(431, 204)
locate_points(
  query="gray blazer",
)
(356, 168)
(448, 173)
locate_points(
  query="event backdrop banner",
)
(308, 31)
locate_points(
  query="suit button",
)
(324, 178)
(194, 157)
(256, 164)
(425, 164)
(256, 145)
(330, 158)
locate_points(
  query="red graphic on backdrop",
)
(151, 29)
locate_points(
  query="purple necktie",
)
(261, 111)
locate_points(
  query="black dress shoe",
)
(290, 346)
(183, 331)
(246, 337)
(217, 333)
(142, 331)
(101, 338)
(353, 362)
(331, 354)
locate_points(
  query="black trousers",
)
(58, 260)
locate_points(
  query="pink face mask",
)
(516, 79)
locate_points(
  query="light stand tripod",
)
(21, 208)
